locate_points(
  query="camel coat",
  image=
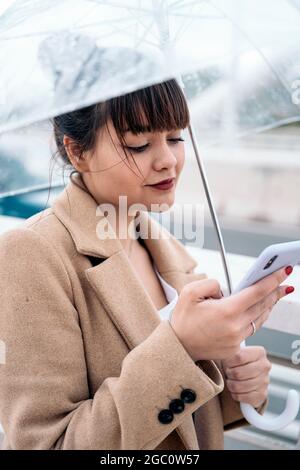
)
(89, 363)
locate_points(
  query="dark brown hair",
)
(163, 105)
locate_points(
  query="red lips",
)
(165, 185)
(162, 182)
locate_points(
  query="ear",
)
(73, 151)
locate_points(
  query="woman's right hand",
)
(211, 326)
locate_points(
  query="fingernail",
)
(289, 289)
(288, 270)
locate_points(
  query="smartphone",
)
(271, 259)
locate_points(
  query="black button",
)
(165, 416)
(188, 395)
(176, 405)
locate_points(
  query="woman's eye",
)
(138, 149)
(179, 139)
(143, 147)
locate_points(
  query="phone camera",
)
(270, 262)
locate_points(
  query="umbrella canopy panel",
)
(57, 56)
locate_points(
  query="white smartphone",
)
(271, 259)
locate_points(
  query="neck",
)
(123, 224)
(126, 229)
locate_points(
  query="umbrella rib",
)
(41, 33)
(266, 60)
(146, 30)
(203, 17)
(182, 4)
(21, 20)
(125, 32)
(80, 19)
(31, 189)
(257, 130)
(184, 25)
(97, 23)
(120, 5)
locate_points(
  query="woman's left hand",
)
(247, 375)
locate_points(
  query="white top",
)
(171, 295)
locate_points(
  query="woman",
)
(89, 362)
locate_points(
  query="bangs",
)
(157, 108)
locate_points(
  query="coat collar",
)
(80, 214)
(115, 281)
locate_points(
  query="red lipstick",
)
(163, 185)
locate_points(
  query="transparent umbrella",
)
(237, 61)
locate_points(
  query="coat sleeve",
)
(44, 385)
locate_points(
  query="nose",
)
(166, 157)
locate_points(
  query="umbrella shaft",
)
(211, 207)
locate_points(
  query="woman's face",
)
(158, 155)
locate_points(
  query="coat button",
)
(176, 405)
(165, 416)
(188, 395)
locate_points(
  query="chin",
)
(158, 207)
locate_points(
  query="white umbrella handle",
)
(278, 422)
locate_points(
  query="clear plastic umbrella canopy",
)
(238, 56)
(237, 60)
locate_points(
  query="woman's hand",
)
(247, 375)
(211, 326)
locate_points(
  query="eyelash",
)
(141, 149)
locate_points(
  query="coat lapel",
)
(115, 281)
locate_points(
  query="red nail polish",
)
(288, 270)
(289, 289)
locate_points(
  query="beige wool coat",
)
(89, 363)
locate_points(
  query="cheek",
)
(113, 168)
(128, 177)
(137, 170)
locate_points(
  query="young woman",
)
(90, 364)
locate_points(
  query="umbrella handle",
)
(278, 422)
